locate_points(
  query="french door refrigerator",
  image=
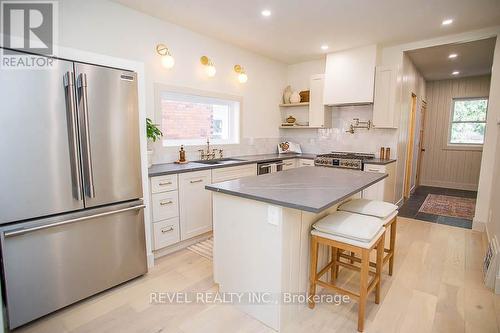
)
(71, 214)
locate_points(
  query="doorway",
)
(421, 149)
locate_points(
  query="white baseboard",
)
(453, 185)
(480, 226)
(181, 245)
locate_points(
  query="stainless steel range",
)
(346, 160)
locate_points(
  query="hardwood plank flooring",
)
(436, 287)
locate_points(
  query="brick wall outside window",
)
(186, 120)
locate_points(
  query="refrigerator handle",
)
(87, 157)
(56, 224)
(69, 87)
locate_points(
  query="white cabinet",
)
(165, 205)
(165, 211)
(289, 164)
(166, 233)
(195, 203)
(305, 162)
(384, 190)
(318, 116)
(350, 76)
(384, 104)
(235, 172)
(163, 183)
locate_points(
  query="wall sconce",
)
(242, 75)
(167, 60)
(209, 66)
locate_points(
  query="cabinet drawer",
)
(305, 162)
(289, 164)
(166, 233)
(165, 205)
(163, 183)
(374, 168)
(229, 173)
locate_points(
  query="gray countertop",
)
(171, 168)
(379, 161)
(310, 189)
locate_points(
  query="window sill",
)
(187, 143)
(459, 147)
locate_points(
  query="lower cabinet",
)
(235, 172)
(305, 162)
(384, 190)
(166, 233)
(195, 203)
(289, 164)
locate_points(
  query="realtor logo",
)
(28, 26)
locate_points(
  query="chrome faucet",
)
(207, 155)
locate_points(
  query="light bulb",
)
(211, 70)
(167, 61)
(242, 77)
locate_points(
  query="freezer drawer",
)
(49, 266)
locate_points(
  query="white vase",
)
(295, 97)
(150, 158)
(286, 95)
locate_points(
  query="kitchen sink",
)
(220, 161)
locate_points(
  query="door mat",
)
(446, 205)
(204, 249)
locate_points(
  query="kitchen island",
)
(261, 234)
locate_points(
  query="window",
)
(190, 119)
(468, 121)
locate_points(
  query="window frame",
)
(464, 146)
(234, 117)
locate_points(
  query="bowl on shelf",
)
(291, 120)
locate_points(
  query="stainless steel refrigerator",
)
(71, 214)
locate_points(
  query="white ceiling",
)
(473, 58)
(297, 28)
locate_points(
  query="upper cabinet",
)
(350, 76)
(384, 106)
(317, 111)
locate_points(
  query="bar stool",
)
(385, 211)
(343, 231)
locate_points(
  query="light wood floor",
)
(437, 287)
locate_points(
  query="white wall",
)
(111, 29)
(442, 166)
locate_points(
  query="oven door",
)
(263, 168)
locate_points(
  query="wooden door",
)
(421, 148)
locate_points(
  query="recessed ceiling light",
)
(266, 12)
(447, 22)
(453, 55)
(455, 73)
(324, 47)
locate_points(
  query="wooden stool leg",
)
(378, 269)
(313, 270)
(333, 269)
(337, 266)
(350, 260)
(363, 290)
(392, 245)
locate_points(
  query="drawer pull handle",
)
(165, 230)
(373, 170)
(165, 183)
(196, 181)
(163, 203)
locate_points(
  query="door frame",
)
(409, 147)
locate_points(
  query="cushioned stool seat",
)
(355, 229)
(380, 209)
(385, 212)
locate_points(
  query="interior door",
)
(38, 143)
(109, 128)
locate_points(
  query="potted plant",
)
(153, 133)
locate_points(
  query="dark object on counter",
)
(304, 96)
(182, 154)
(387, 153)
(382, 153)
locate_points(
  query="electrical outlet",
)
(273, 215)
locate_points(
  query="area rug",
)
(204, 249)
(446, 205)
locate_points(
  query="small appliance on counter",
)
(288, 147)
(346, 160)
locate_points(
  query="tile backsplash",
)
(311, 140)
(337, 139)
